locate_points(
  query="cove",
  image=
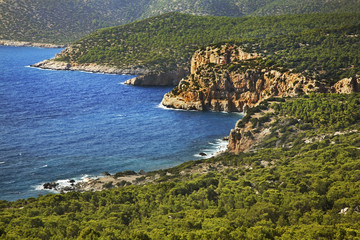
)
(60, 125)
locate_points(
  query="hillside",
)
(301, 181)
(63, 21)
(167, 42)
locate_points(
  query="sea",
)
(61, 125)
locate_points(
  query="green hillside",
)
(307, 189)
(168, 41)
(60, 21)
(64, 21)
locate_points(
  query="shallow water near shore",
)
(59, 125)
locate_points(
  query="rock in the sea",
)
(51, 185)
(202, 154)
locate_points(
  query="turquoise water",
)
(60, 125)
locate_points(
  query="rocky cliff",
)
(170, 78)
(347, 85)
(226, 78)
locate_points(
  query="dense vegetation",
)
(168, 41)
(307, 191)
(325, 54)
(61, 21)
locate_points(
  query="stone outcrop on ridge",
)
(228, 79)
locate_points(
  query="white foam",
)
(214, 148)
(173, 109)
(2, 162)
(65, 182)
(120, 116)
(43, 69)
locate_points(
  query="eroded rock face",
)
(219, 56)
(229, 79)
(221, 80)
(347, 85)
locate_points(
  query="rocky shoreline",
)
(106, 181)
(125, 178)
(30, 44)
(89, 67)
(145, 78)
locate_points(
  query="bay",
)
(60, 125)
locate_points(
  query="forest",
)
(325, 45)
(307, 191)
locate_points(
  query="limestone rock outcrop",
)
(347, 85)
(228, 79)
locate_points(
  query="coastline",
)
(127, 178)
(51, 64)
(30, 44)
(143, 76)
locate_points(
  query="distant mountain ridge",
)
(63, 21)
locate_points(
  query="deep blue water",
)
(58, 125)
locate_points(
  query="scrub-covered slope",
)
(167, 42)
(63, 21)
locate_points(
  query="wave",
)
(173, 109)
(62, 183)
(214, 148)
(2, 162)
(161, 106)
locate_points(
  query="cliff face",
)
(347, 85)
(243, 139)
(170, 78)
(228, 79)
